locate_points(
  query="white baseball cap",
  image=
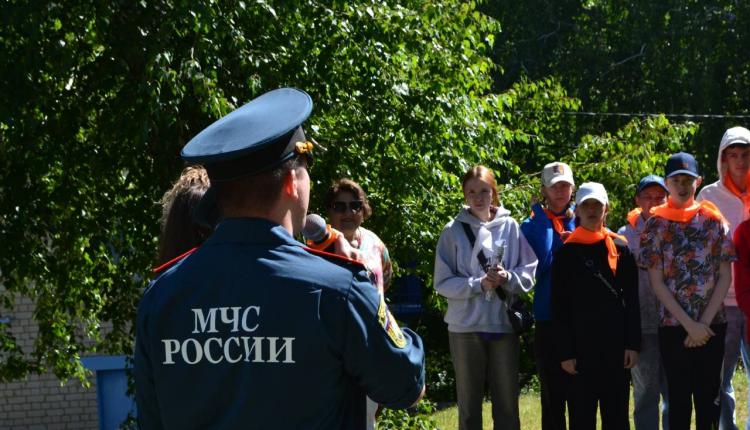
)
(556, 172)
(591, 190)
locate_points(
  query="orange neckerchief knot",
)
(734, 189)
(669, 212)
(633, 216)
(587, 237)
(556, 220)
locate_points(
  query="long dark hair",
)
(179, 231)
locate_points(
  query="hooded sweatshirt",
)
(731, 206)
(458, 272)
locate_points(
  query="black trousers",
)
(553, 380)
(693, 376)
(609, 390)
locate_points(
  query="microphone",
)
(318, 235)
(498, 252)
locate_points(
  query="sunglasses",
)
(341, 207)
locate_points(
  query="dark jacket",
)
(253, 331)
(592, 323)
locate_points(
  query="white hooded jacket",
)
(458, 272)
(731, 206)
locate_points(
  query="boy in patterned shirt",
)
(687, 249)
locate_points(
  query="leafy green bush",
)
(91, 130)
(417, 418)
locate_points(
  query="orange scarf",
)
(587, 237)
(633, 216)
(556, 220)
(731, 186)
(671, 213)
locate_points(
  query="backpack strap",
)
(472, 239)
(480, 256)
(589, 264)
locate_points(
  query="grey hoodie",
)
(458, 273)
(717, 193)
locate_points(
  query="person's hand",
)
(564, 235)
(424, 390)
(503, 276)
(631, 358)
(698, 334)
(342, 247)
(690, 343)
(569, 366)
(491, 279)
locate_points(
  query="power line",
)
(640, 114)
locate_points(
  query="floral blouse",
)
(376, 257)
(689, 254)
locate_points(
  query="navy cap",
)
(254, 138)
(681, 163)
(649, 180)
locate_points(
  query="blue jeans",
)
(649, 382)
(735, 346)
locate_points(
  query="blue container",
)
(112, 400)
(406, 300)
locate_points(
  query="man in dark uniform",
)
(253, 330)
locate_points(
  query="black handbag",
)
(518, 312)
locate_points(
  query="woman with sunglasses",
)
(347, 207)
(484, 348)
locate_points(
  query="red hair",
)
(485, 175)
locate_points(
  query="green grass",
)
(531, 418)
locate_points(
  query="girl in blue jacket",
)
(548, 226)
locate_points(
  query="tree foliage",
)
(99, 97)
(679, 57)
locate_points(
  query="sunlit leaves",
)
(100, 97)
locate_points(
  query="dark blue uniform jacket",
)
(252, 331)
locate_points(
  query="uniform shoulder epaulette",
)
(173, 261)
(335, 258)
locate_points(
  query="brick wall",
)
(40, 401)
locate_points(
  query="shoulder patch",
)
(386, 320)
